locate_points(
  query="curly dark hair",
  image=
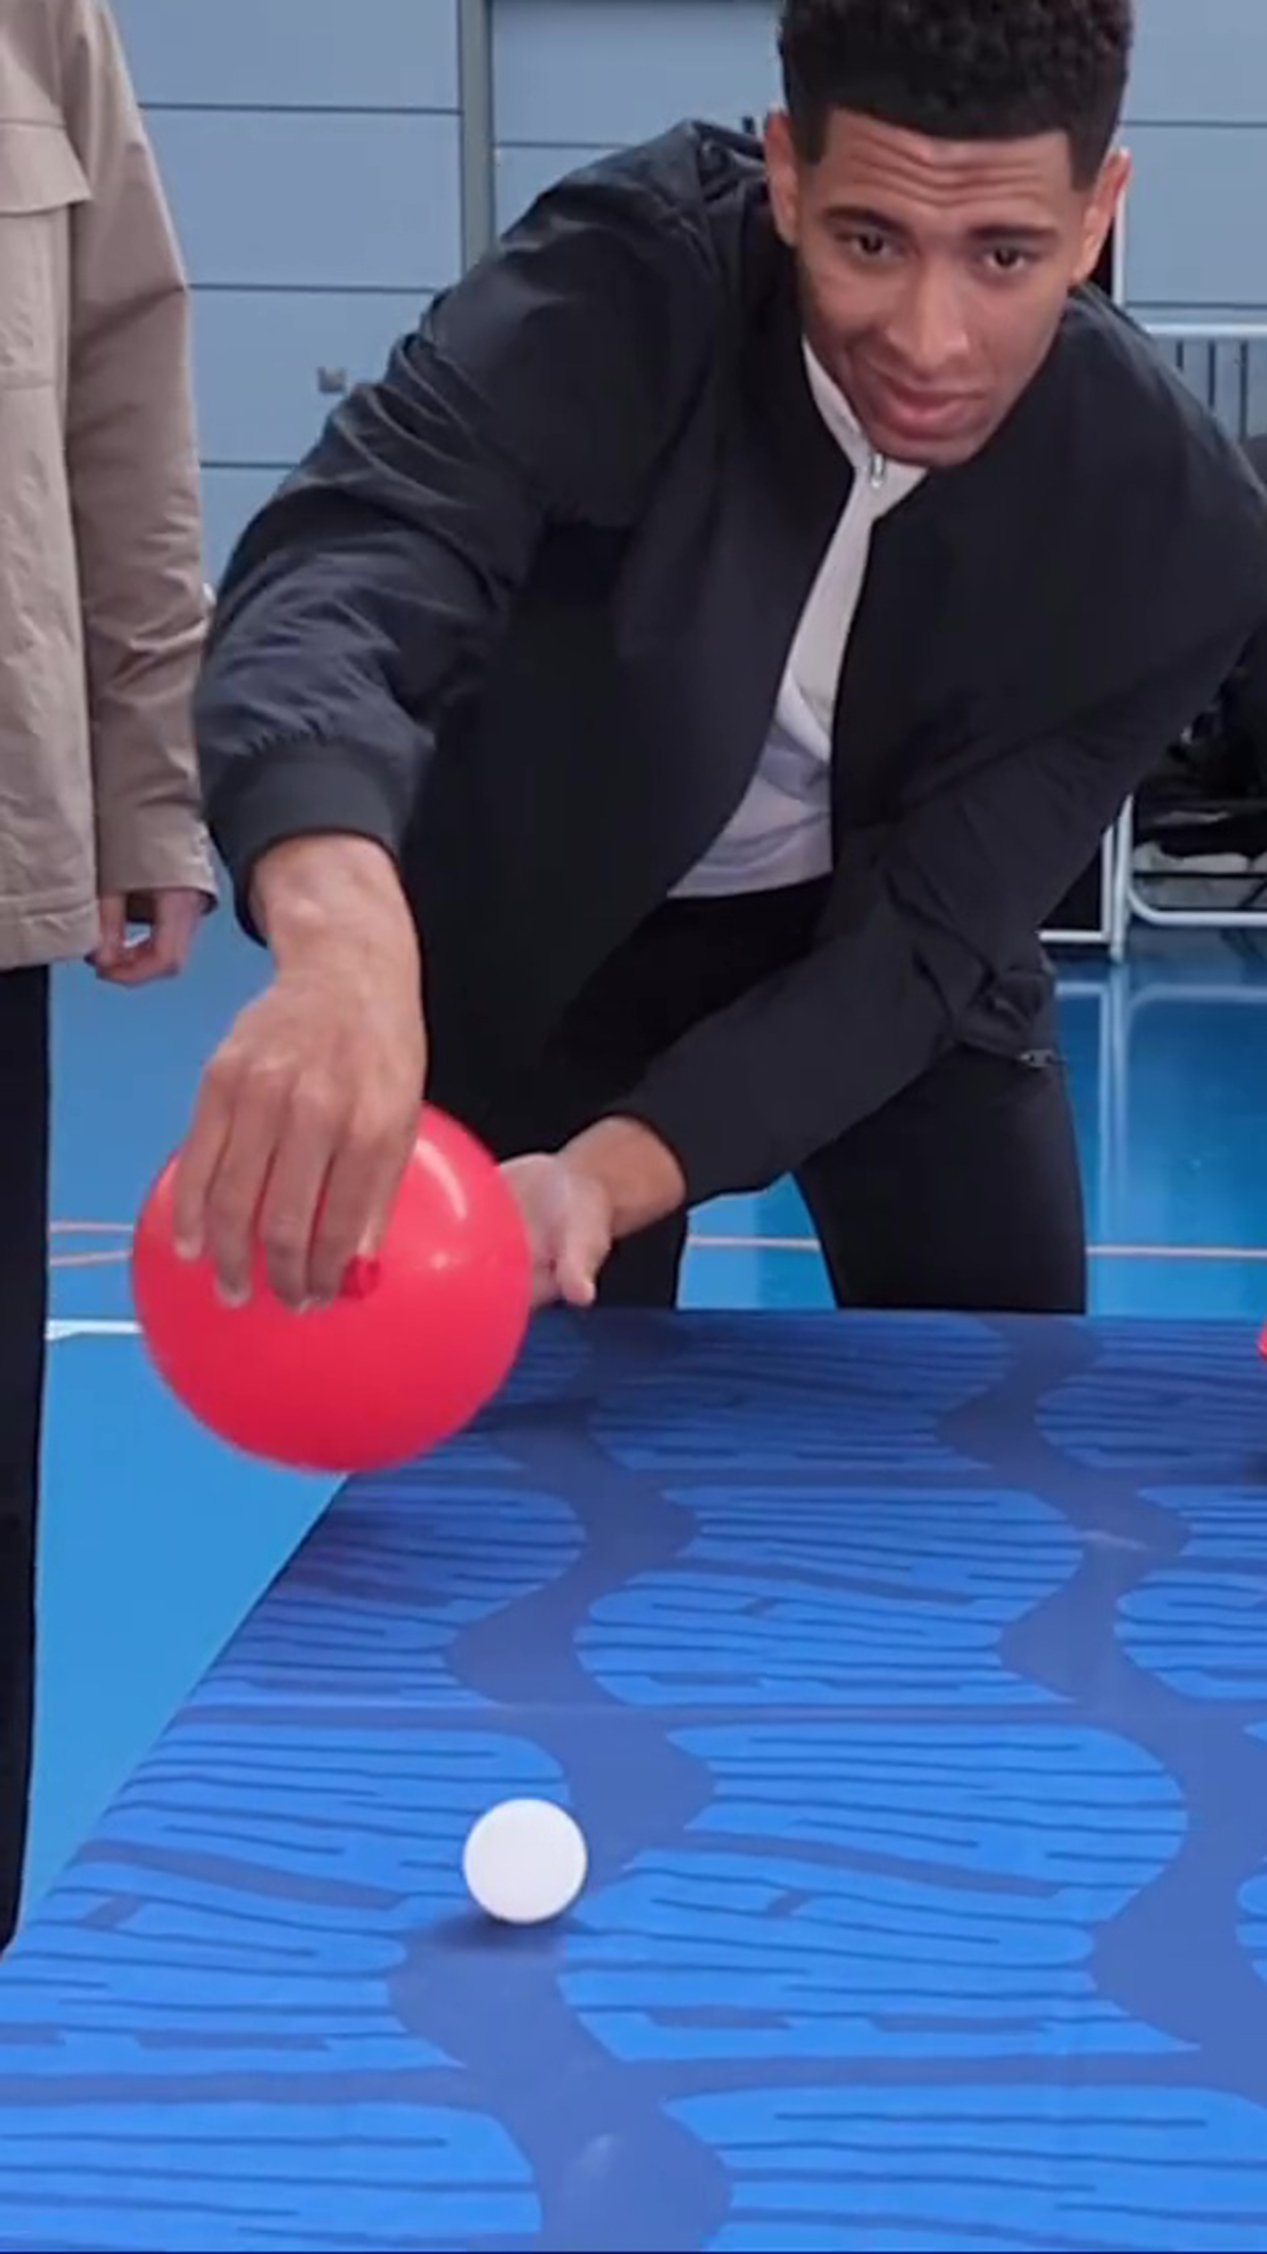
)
(972, 70)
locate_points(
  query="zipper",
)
(877, 471)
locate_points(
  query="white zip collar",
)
(887, 482)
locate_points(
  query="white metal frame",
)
(1130, 904)
(1100, 934)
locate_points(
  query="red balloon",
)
(418, 1343)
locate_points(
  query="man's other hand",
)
(570, 1228)
(173, 917)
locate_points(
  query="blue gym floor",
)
(155, 1541)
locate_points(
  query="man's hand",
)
(612, 1181)
(569, 1226)
(310, 1110)
(173, 917)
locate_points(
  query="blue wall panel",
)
(573, 78)
(269, 364)
(1197, 126)
(293, 54)
(314, 199)
(311, 155)
(1200, 62)
(229, 499)
(1197, 235)
(606, 71)
(521, 173)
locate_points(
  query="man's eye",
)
(1007, 258)
(869, 245)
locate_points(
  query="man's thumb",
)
(576, 1280)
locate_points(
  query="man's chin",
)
(925, 447)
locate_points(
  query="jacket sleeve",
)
(373, 587)
(955, 892)
(133, 467)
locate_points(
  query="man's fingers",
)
(288, 1211)
(112, 934)
(257, 1123)
(569, 1234)
(298, 1139)
(583, 1245)
(196, 1164)
(163, 952)
(275, 1167)
(135, 965)
(359, 1198)
(176, 919)
(576, 1282)
(577, 1267)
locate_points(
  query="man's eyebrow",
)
(859, 215)
(1023, 234)
(1028, 234)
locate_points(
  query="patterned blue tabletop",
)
(909, 1678)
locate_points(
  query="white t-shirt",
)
(781, 832)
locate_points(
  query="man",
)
(101, 619)
(707, 656)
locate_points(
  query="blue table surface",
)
(909, 1678)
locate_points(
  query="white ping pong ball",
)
(525, 1861)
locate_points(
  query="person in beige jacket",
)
(102, 850)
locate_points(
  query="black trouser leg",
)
(24, 1116)
(965, 1193)
(689, 959)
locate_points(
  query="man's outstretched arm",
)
(370, 589)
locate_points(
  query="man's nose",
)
(928, 330)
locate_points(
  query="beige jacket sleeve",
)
(133, 464)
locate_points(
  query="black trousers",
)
(24, 1168)
(963, 1194)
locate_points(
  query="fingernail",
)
(188, 1248)
(361, 1277)
(233, 1296)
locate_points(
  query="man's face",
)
(934, 273)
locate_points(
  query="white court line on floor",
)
(90, 1228)
(1096, 1251)
(88, 1326)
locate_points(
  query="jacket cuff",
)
(720, 1152)
(139, 857)
(295, 790)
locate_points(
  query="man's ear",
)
(783, 172)
(1105, 204)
